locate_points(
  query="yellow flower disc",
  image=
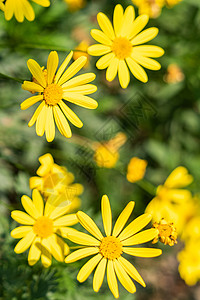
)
(122, 47)
(43, 227)
(110, 247)
(53, 94)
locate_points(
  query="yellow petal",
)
(82, 89)
(82, 238)
(45, 253)
(178, 195)
(68, 220)
(57, 247)
(100, 37)
(61, 122)
(38, 202)
(123, 73)
(9, 10)
(89, 224)
(98, 49)
(81, 253)
(79, 80)
(20, 231)
(36, 71)
(124, 278)
(25, 242)
(136, 70)
(112, 280)
(129, 16)
(36, 114)
(148, 50)
(28, 11)
(80, 100)
(141, 237)
(60, 210)
(139, 23)
(105, 25)
(146, 62)
(87, 269)
(63, 66)
(104, 61)
(22, 218)
(142, 252)
(131, 270)
(29, 207)
(35, 182)
(32, 87)
(145, 36)
(106, 215)
(52, 64)
(41, 121)
(178, 178)
(31, 101)
(112, 69)
(34, 252)
(50, 125)
(99, 274)
(70, 115)
(123, 217)
(135, 226)
(44, 3)
(47, 162)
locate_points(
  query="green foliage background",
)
(163, 128)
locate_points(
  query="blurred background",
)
(160, 120)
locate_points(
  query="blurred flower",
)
(174, 74)
(119, 46)
(108, 250)
(55, 180)
(21, 9)
(83, 46)
(106, 154)
(54, 87)
(152, 8)
(43, 225)
(136, 169)
(191, 231)
(171, 3)
(167, 233)
(74, 5)
(2, 6)
(189, 258)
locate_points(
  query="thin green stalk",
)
(147, 186)
(3, 76)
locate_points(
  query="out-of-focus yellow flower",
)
(54, 180)
(106, 154)
(21, 9)
(189, 258)
(167, 233)
(174, 74)
(192, 230)
(171, 3)
(136, 169)
(2, 6)
(75, 5)
(83, 46)
(152, 8)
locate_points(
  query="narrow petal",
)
(38, 202)
(131, 270)
(118, 19)
(82, 238)
(70, 115)
(81, 253)
(22, 218)
(28, 11)
(99, 274)
(36, 114)
(41, 121)
(46, 162)
(34, 252)
(20, 231)
(63, 66)
(89, 224)
(129, 16)
(142, 252)
(104, 61)
(124, 277)
(178, 178)
(82, 89)
(112, 69)
(52, 64)
(9, 10)
(123, 217)
(65, 231)
(79, 80)
(105, 25)
(60, 210)
(136, 70)
(44, 3)
(31, 101)
(141, 237)
(98, 49)
(25, 242)
(37, 72)
(123, 73)
(35, 182)
(57, 247)
(50, 125)
(73, 69)
(80, 100)
(139, 23)
(45, 253)
(146, 62)
(61, 122)
(148, 50)
(106, 215)
(145, 36)
(32, 87)
(135, 226)
(87, 269)
(29, 207)
(68, 220)
(112, 280)
(100, 37)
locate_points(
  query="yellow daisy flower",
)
(22, 9)
(54, 180)
(167, 233)
(54, 86)
(136, 169)
(121, 47)
(108, 250)
(150, 7)
(43, 225)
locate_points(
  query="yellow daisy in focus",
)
(43, 227)
(54, 180)
(108, 250)
(22, 9)
(121, 47)
(136, 169)
(53, 86)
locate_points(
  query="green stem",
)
(147, 186)
(48, 47)
(11, 78)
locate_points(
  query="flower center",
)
(43, 227)
(53, 94)
(122, 47)
(110, 247)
